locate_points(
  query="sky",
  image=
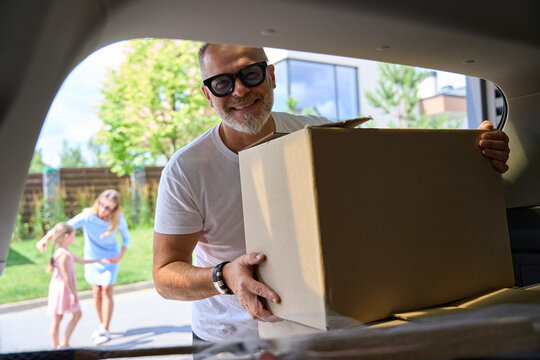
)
(73, 113)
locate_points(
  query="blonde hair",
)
(114, 196)
(60, 230)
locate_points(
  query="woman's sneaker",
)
(99, 331)
(103, 338)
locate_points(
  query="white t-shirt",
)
(200, 190)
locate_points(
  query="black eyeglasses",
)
(251, 76)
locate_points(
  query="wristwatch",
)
(219, 282)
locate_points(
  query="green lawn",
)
(25, 276)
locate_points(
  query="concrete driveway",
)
(141, 319)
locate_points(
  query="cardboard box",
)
(365, 223)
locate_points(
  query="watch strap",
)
(219, 282)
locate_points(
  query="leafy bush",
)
(84, 198)
(139, 208)
(21, 229)
(36, 220)
(53, 210)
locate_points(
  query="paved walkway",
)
(141, 319)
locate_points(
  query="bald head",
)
(209, 52)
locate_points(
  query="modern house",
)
(335, 87)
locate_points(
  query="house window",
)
(316, 88)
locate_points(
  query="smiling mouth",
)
(244, 105)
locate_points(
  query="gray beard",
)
(252, 124)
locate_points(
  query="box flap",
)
(346, 124)
(267, 138)
(502, 296)
(429, 313)
(499, 297)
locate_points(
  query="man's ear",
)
(272, 75)
(207, 95)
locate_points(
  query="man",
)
(199, 201)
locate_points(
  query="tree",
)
(438, 121)
(397, 94)
(38, 164)
(97, 153)
(292, 104)
(152, 104)
(71, 156)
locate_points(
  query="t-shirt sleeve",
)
(176, 210)
(78, 220)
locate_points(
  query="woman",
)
(99, 223)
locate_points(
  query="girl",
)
(63, 297)
(100, 224)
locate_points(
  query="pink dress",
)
(59, 295)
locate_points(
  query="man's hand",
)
(239, 277)
(494, 145)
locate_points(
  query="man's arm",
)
(176, 278)
(494, 145)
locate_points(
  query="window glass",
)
(305, 77)
(347, 92)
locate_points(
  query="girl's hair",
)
(114, 196)
(60, 230)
